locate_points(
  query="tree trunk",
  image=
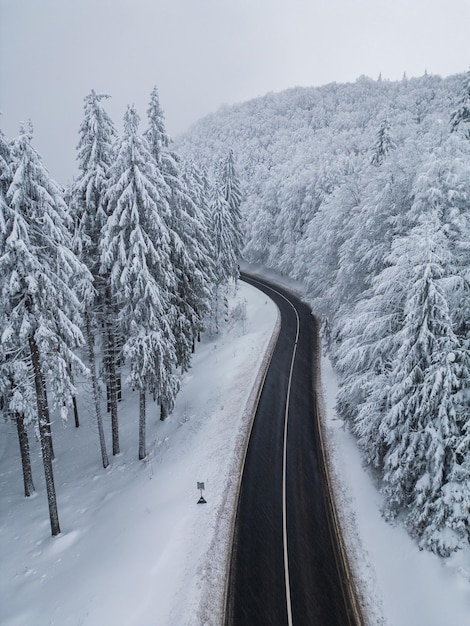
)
(110, 342)
(142, 450)
(118, 349)
(44, 434)
(74, 401)
(75, 411)
(112, 382)
(119, 386)
(47, 416)
(163, 411)
(25, 456)
(96, 391)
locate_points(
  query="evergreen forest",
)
(362, 192)
(111, 280)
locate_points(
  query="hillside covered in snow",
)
(362, 191)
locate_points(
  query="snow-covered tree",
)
(193, 265)
(443, 185)
(225, 259)
(225, 228)
(88, 206)
(136, 252)
(156, 135)
(379, 215)
(199, 185)
(363, 358)
(421, 428)
(383, 143)
(230, 182)
(40, 309)
(324, 238)
(95, 155)
(189, 250)
(16, 397)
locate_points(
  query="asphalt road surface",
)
(286, 566)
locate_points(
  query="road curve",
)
(286, 566)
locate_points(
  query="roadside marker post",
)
(201, 500)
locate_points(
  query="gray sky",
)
(204, 53)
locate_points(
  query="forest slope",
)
(362, 191)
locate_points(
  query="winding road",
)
(287, 566)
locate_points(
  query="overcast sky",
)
(204, 53)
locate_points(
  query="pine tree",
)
(379, 215)
(156, 135)
(136, 252)
(226, 219)
(193, 266)
(442, 185)
(225, 259)
(201, 243)
(185, 224)
(365, 350)
(230, 183)
(15, 397)
(383, 144)
(420, 429)
(41, 314)
(324, 241)
(200, 189)
(439, 520)
(95, 155)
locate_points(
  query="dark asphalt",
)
(257, 589)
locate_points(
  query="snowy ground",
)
(136, 549)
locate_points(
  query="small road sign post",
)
(200, 486)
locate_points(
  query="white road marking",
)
(284, 465)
